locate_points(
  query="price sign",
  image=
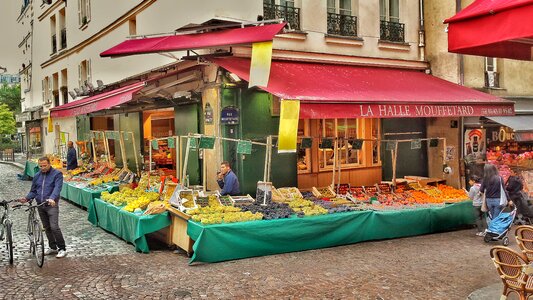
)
(416, 144)
(244, 147)
(391, 145)
(171, 142)
(155, 145)
(356, 144)
(326, 143)
(433, 143)
(207, 142)
(306, 143)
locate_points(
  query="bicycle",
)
(34, 230)
(6, 229)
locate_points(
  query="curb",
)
(14, 164)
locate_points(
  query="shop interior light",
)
(234, 77)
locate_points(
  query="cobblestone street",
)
(101, 266)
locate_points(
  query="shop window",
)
(325, 153)
(376, 146)
(343, 132)
(304, 154)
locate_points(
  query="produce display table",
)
(221, 242)
(126, 225)
(31, 168)
(82, 196)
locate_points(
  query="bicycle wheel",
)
(38, 243)
(9, 243)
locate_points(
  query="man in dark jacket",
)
(227, 180)
(72, 160)
(46, 187)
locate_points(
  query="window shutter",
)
(88, 9)
(79, 75)
(44, 88)
(80, 17)
(50, 88)
(89, 71)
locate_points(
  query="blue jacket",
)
(72, 160)
(230, 184)
(46, 186)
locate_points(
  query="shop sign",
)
(23, 117)
(230, 115)
(524, 136)
(244, 147)
(502, 135)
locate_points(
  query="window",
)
(62, 30)
(47, 90)
(340, 19)
(132, 26)
(55, 89)
(64, 86)
(53, 33)
(376, 146)
(304, 155)
(282, 9)
(343, 132)
(84, 12)
(390, 27)
(492, 79)
(84, 73)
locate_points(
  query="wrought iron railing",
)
(290, 14)
(392, 31)
(63, 38)
(54, 44)
(342, 24)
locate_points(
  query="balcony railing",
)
(54, 44)
(392, 31)
(63, 38)
(290, 14)
(342, 24)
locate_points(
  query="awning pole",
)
(185, 163)
(123, 151)
(334, 163)
(150, 160)
(394, 156)
(93, 146)
(106, 147)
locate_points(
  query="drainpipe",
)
(460, 57)
(421, 33)
(461, 61)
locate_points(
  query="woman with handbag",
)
(492, 187)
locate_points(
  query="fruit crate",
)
(226, 200)
(415, 186)
(343, 189)
(324, 192)
(371, 190)
(277, 196)
(290, 193)
(357, 194)
(384, 188)
(242, 200)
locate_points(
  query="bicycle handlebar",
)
(6, 202)
(29, 205)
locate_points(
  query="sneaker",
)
(480, 233)
(50, 251)
(61, 254)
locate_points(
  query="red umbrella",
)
(493, 28)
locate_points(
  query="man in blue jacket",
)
(72, 159)
(46, 187)
(227, 180)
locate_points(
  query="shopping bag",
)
(503, 194)
(484, 207)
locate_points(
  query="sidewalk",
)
(20, 161)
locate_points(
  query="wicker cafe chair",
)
(524, 238)
(511, 267)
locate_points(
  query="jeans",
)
(481, 223)
(494, 207)
(50, 219)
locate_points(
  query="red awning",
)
(491, 28)
(35, 129)
(97, 102)
(340, 91)
(228, 37)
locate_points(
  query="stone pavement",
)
(100, 266)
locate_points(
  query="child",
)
(477, 201)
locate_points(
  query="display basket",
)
(202, 199)
(183, 199)
(242, 200)
(324, 192)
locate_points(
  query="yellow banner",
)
(260, 65)
(288, 126)
(63, 138)
(50, 124)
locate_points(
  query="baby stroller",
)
(499, 227)
(524, 211)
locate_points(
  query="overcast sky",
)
(11, 34)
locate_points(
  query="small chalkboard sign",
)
(356, 144)
(207, 142)
(244, 147)
(433, 143)
(306, 143)
(416, 144)
(326, 143)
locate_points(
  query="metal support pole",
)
(123, 151)
(135, 154)
(185, 163)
